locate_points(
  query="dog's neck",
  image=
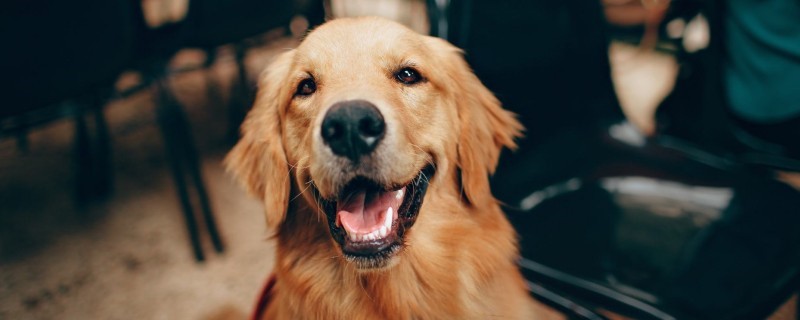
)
(436, 273)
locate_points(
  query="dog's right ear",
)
(485, 128)
(258, 160)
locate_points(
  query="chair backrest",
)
(212, 23)
(60, 49)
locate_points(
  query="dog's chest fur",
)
(437, 276)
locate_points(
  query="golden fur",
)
(459, 258)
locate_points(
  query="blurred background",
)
(658, 179)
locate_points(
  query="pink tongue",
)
(363, 212)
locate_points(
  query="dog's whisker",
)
(329, 257)
(297, 165)
(425, 154)
(300, 193)
(361, 284)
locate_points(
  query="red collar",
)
(264, 299)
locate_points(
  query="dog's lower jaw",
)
(370, 267)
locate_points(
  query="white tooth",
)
(370, 236)
(387, 219)
(399, 194)
(353, 237)
(383, 231)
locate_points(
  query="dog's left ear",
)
(484, 126)
(259, 159)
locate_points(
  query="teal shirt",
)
(762, 67)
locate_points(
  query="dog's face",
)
(363, 117)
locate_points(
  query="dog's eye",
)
(306, 87)
(408, 76)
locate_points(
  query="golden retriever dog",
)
(371, 148)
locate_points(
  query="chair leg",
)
(185, 165)
(83, 158)
(93, 151)
(192, 159)
(22, 135)
(205, 206)
(245, 92)
(241, 95)
(171, 123)
(103, 172)
(215, 100)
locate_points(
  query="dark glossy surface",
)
(651, 229)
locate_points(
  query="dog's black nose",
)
(353, 128)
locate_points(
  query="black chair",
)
(609, 220)
(639, 228)
(64, 57)
(65, 51)
(208, 25)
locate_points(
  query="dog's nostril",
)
(370, 127)
(353, 128)
(332, 131)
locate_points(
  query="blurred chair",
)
(208, 24)
(612, 221)
(213, 23)
(64, 51)
(64, 58)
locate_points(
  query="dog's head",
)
(363, 118)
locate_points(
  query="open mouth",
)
(369, 221)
